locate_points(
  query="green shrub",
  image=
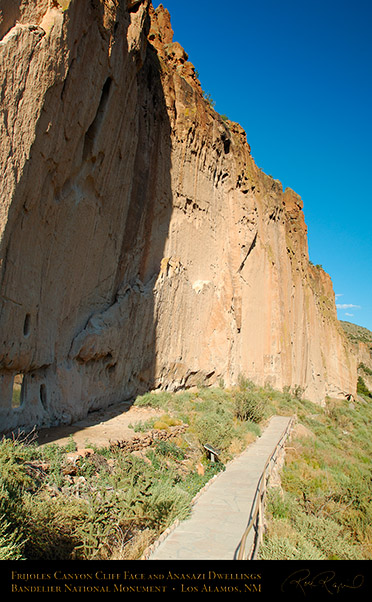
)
(215, 427)
(249, 405)
(297, 533)
(209, 99)
(365, 369)
(285, 548)
(169, 449)
(326, 488)
(154, 400)
(362, 388)
(11, 542)
(280, 504)
(245, 384)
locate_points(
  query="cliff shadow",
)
(89, 220)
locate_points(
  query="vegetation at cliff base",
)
(112, 503)
(323, 509)
(362, 388)
(115, 501)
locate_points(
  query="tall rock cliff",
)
(141, 247)
(361, 340)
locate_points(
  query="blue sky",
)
(297, 76)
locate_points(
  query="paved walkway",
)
(220, 515)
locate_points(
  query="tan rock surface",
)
(141, 247)
(361, 341)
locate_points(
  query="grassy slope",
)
(324, 508)
(357, 333)
(113, 504)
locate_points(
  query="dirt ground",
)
(100, 428)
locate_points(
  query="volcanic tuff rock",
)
(361, 340)
(141, 247)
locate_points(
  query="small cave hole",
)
(17, 395)
(226, 146)
(226, 143)
(43, 395)
(27, 325)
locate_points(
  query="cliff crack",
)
(252, 246)
(96, 123)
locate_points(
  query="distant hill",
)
(357, 333)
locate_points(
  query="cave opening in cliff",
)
(226, 143)
(26, 325)
(43, 395)
(18, 390)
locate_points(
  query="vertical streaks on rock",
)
(90, 156)
(141, 247)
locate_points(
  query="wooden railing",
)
(256, 518)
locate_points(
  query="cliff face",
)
(141, 247)
(361, 340)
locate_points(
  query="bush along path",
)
(323, 510)
(219, 517)
(114, 501)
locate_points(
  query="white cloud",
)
(339, 295)
(347, 306)
(347, 314)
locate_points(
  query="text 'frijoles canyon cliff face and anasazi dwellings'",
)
(141, 246)
(102, 581)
